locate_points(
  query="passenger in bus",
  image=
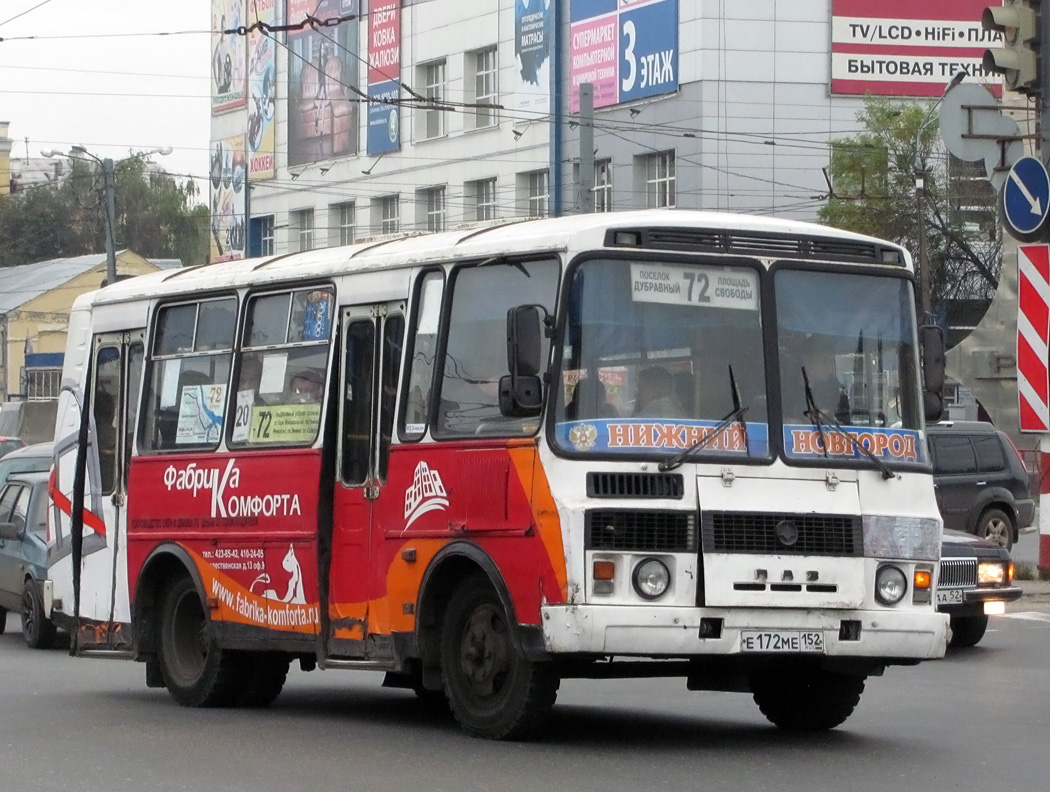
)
(589, 401)
(654, 397)
(306, 386)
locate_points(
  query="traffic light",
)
(1018, 59)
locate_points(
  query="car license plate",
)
(949, 596)
(782, 641)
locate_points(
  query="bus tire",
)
(492, 689)
(196, 672)
(806, 699)
(264, 675)
(37, 629)
(3, 620)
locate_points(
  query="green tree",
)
(872, 178)
(156, 216)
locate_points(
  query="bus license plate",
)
(782, 641)
(949, 596)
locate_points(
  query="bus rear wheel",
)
(196, 672)
(264, 675)
(806, 699)
(493, 690)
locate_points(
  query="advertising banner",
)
(227, 56)
(904, 48)
(384, 76)
(262, 93)
(533, 45)
(228, 188)
(627, 49)
(322, 81)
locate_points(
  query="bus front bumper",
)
(641, 631)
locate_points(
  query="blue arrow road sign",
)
(1026, 197)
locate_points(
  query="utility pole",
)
(109, 181)
(924, 263)
(585, 186)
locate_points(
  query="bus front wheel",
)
(492, 689)
(196, 672)
(806, 699)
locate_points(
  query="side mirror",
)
(520, 397)
(521, 392)
(931, 347)
(524, 340)
(9, 531)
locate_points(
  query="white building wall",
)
(749, 124)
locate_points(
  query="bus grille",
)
(958, 573)
(800, 534)
(635, 485)
(642, 531)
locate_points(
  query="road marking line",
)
(1029, 615)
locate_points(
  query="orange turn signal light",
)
(604, 570)
(923, 579)
(1010, 572)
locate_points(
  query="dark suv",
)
(982, 486)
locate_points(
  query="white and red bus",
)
(670, 444)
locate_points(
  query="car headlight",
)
(991, 573)
(651, 578)
(890, 585)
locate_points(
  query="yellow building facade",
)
(35, 302)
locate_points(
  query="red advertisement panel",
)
(904, 48)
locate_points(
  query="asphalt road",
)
(977, 720)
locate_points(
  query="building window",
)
(538, 193)
(433, 80)
(303, 224)
(659, 180)
(483, 196)
(265, 235)
(43, 384)
(603, 185)
(344, 216)
(432, 201)
(483, 64)
(390, 219)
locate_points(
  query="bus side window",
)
(357, 400)
(105, 403)
(393, 339)
(420, 375)
(189, 374)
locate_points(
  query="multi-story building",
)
(412, 115)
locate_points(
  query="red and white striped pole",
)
(1033, 376)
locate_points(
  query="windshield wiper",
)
(815, 414)
(735, 415)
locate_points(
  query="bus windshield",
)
(849, 338)
(657, 354)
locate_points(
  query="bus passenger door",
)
(116, 376)
(370, 360)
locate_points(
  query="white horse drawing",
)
(295, 595)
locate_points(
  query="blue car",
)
(23, 555)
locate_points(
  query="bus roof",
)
(684, 230)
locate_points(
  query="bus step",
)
(113, 654)
(359, 665)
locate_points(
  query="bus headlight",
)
(890, 585)
(651, 578)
